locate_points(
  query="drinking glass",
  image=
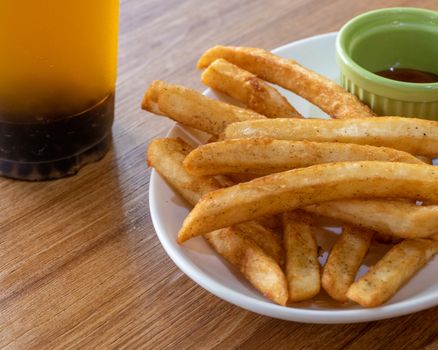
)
(57, 82)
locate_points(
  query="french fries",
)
(248, 89)
(257, 174)
(302, 265)
(258, 268)
(344, 261)
(416, 136)
(166, 156)
(266, 239)
(394, 218)
(392, 271)
(298, 188)
(324, 93)
(193, 109)
(241, 245)
(267, 156)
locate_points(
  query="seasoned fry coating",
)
(298, 188)
(344, 261)
(383, 280)
(258, 268)
(166, 156)
(266, 239)
(395, 218)
(248, 89)
(253, 249)
(193, 109)
(150, 99)
(416, 136)
(267, 156)
(315, 88)
(302, 265)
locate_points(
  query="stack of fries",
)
(266, 174)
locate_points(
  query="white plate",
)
(196, 259)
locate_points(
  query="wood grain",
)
(80, 264)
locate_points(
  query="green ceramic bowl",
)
(382, 39)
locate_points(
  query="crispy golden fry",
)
(269, 221)
(315, 88)
(344, 261)
(166, 156)
(258, 268)
(269, 241)
(257, 261)
(383, 280)
(248, 89)
(267, 156)
(193, 109)
(416, 136)
(302, 265)
(395, 218)
(298, 188)
(150, 99)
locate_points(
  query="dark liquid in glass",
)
(49, 149)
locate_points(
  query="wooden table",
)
(81, 266)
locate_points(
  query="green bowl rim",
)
(341, 51)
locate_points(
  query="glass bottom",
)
(53, 149)
(54, 169)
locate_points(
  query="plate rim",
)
(266, 307)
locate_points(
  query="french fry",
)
(236, 244)
(416, 136)
(383, 280)
(267, 156)
(302, 266)
(166, 156)
(344, 261)
(193, 109)
(269, 221)
(150, 99)
(257, 267)
(298, 188)
(315, 88)
(394, 218)
(266, 239)
(248, 89)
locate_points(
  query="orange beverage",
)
(57, 81)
